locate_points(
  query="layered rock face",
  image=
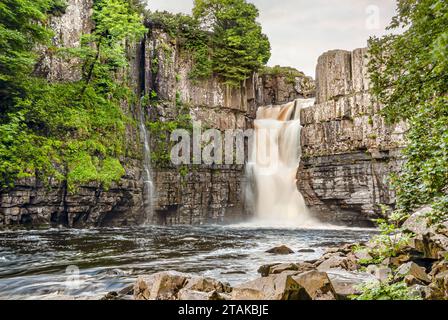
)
(156, 66)
(349, 151)
(48, 202)
(204, 194)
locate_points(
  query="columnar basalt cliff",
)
(349, 151)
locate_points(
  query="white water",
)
(273, 165)
(148, 192)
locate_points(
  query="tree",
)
(409, 72)
(72, 131)
(238, 45)
(22, 27)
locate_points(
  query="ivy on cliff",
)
(71, 131)
(409, 72)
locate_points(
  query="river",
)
(43, 264)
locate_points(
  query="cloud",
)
(301, 30)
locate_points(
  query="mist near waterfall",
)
(271, 191)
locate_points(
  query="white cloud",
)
(301, 30)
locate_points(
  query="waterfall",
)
(272, 167)
(148, 184)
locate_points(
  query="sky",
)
(301, 30)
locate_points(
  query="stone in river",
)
(280, 250)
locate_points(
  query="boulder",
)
(265, 269)
(317, 285)
(363, 255)
(280, 250)
(283, 267)
(439, 267)
(431, 245)
(410, 281)
(346, 286)
(418, 222)
(421, 291)
(381, 273)
(348, 263)
(192, 295)
(414, 270)
(273, 287)
(207, 285)
(441, 284)
(159, 286)
(168, 285)
(396, 261)
(277, 268)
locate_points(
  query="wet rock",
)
(273, 287)
(414, 270)
(317, 285)
(129, 290)
(280, 250)
(277, 268)
(306, 251)
(264, 270)
(111, 296)
(283, 267)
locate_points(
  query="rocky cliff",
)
(204, 194)
(349, 151)
(37, 202)
(158, 68)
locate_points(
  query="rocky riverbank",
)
(409, 263)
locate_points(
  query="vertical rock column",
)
(348, 149)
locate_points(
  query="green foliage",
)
(438, 214)
(22, 26)
(71, 131)
(223, 37)
(289, 73)
(376, 290)
(161, 147)
(388, 243)
(239, 46)
(409, 72)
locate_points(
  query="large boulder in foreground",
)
(317, 285)
(273, 287)
(171, 285)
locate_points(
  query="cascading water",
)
(148, 192)
(273, 165)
